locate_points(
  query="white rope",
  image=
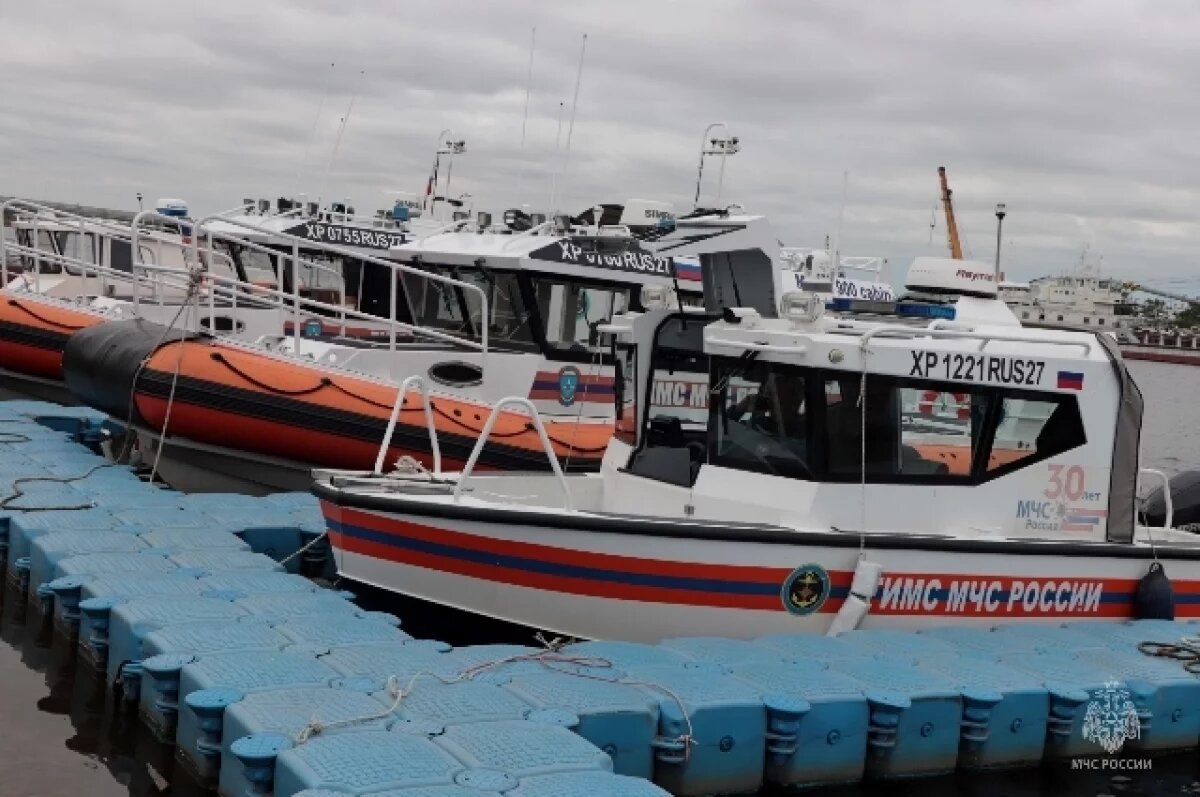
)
(862, 462)
(409, 464)
(548, 658)
(130, 439)
(304, 547)
(582, 390)
(193, 294)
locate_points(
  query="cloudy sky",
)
(1082, 116)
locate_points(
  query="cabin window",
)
(1100, 321)
(1041, 316)
(1025, 314)
(1060, 318)
(811, 424)
(457, 310)
(1030, 428)
(910, 431)
(1086, 320)
(761, 421)
(572, 311)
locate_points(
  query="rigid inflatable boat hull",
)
(33, 335)
(233, 408)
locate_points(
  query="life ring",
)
(930, 398)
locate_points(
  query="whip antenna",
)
(525, 118)
(341, 130)
(312, 136)
(566, 164)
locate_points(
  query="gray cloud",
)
(1079, 115)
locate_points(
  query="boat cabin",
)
(549, 287)
(802, 410)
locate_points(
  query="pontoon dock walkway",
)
(267, 683)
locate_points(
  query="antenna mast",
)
(837, 232)
(951, 226)
(313, 133)
(557, 142)
(338, 141)
(525, 118)
(566, 165)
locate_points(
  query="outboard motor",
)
(1185, 502)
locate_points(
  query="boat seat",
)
(667, 456)
(665, 432)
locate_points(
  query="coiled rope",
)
(1186, 651)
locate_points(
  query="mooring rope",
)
(550, 657)
(1186, 651)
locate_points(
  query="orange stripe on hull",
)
(33, 334)
(214, 419)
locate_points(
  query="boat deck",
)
(209, 612)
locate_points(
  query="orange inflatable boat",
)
(33, 334)
(234, 398)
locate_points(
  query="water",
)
(1171, 424)
(60, 735)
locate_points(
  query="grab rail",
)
(1169, 520)
(394, 267)
(768, 347)
(419, 384)
(984, 337)
(541, 430)
(42, 218)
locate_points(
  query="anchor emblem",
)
(806, 589)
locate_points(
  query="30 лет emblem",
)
(806, 589)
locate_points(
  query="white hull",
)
(639, 586)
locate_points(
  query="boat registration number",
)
(977, 368)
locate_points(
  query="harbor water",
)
(60, 737)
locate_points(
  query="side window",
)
(572, 311)
(940, 435)
(910, 432)
(760, 421)
(848, 412)
(1038, 428)
(508, 321)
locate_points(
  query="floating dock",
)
(208, 613)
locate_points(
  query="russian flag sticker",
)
(1070, 380)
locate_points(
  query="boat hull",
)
(227, 408)
(33, 335)
(601, 580)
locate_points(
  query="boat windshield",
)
(567, 313)
(457, 311)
